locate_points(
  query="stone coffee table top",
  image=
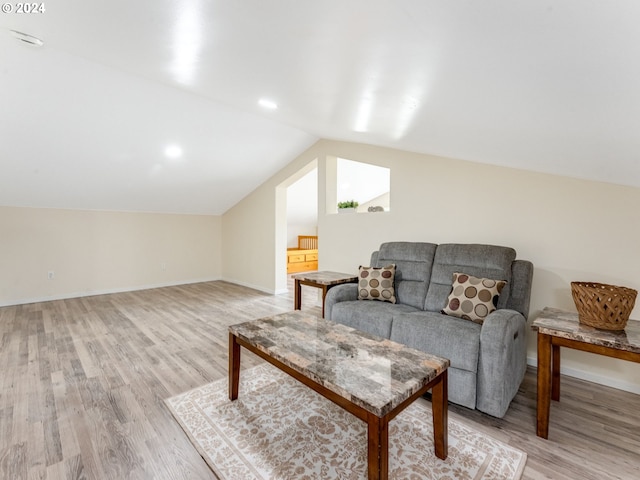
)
(561, 323)
(375, 373)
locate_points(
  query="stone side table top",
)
(326, 278)
(561, 323)
(375, 373)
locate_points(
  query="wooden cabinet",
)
(303, 258)
(301, 261)
(295, 258)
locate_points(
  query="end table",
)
(558, 328)
(323, 280)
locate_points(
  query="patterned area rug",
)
(281, 429)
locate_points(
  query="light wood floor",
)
(83, 383)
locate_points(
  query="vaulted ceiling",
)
(87, 119)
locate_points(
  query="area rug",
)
(280, 429)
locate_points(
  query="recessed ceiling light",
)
(173, 151)
(26, 38)
(266, 103)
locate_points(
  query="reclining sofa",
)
(488, 358)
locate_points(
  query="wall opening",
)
(368, 185)
(296, 214)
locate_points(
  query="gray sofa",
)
(488, 360)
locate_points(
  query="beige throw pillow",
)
(473, 298)
(377, 283)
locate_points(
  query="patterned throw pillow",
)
(473, 298)
(377, 283)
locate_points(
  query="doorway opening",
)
(296, 225)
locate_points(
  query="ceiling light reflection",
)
(407, 111)
(367, 100)
(364, 114)
(187, 42)
(266, 103)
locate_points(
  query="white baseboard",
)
(591, 377)
(91, 293)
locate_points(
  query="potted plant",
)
(348, 206)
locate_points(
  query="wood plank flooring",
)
(83, 383)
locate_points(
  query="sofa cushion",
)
(473, 298)
(376, 283)
(484, 261)
(441, 335)
(413, 262)
(371, 317)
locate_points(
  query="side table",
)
(322, 280)
(558, 328)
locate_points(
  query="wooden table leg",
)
(377, 447)
(544, 385)
(325, 289)
(297, 295)
(440, 409)
(555, 373)
(234, 366)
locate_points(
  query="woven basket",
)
(603, 306)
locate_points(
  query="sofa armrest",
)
(502, 361)
(340, 293)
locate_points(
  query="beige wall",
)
(99, 252)
(254, 231)
(570, 229)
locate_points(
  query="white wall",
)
(294, 230)
(302, 207)
(570, 229)
(94, 252)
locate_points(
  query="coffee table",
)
(371, 377)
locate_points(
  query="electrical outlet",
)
(163, 266)
(51, 274)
